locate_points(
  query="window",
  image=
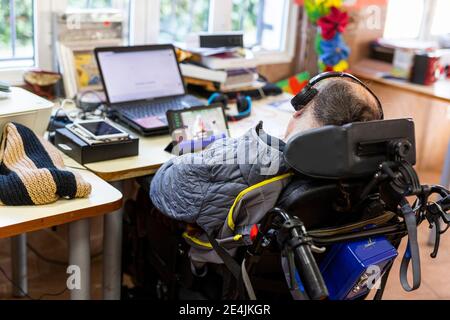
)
(417, 19)
(90, 4)
(441, 23)
(122, 7)
(400, 25)
(268, 25)
(98, 4)
(262, 22)
(16, 33)
(180, 18)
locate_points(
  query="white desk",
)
(152, 156)
(15, 222)
(151, 149)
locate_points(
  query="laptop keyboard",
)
(146, 109)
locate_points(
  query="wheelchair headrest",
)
(352, 151)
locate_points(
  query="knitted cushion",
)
(32, 171)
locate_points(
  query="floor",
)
(48, 278)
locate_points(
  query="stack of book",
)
(221, 69)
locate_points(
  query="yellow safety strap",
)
(230, 220)
(197, 241)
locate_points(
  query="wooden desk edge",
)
(63, 218)
(126, 174)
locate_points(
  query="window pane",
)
(404, 19)
(441, 22)
(90, 4)
(120, 6)
(262, 21)
(16, 33)
(182, 17)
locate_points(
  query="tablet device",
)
(196, 128)
(100, 130)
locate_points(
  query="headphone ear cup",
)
(310, 95)
(219, 98)
(243, 104)
(304, 97)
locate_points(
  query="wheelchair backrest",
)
(351, 151)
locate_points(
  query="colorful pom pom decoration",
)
(331, 21)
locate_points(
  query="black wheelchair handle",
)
(291, 235)
(445, 203)
(300, 243)
(309, 273)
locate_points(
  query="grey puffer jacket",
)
(201, 188)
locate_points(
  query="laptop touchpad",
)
(151, 122)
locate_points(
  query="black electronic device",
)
(81, 151)
(98, 130)
(218, 40)
(309, 92)
(196, 128)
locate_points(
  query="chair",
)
(347, 178)
(348, 183)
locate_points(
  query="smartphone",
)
(101, 130)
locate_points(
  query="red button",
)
(254, 232)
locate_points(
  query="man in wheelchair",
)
(318, 215)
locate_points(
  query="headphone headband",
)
(309, 92)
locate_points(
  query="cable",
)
(26, 294)
(53, 261)
(48, 260)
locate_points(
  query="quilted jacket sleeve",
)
(178, 188)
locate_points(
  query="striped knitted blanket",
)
(32, 170)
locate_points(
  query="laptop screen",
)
(140, 75)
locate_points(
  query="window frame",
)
(14, 74)
(145, 28)
(429, 11)
(219, 21)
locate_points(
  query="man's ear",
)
(298, 114)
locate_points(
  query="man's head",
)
(339, 101)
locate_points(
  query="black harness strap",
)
(412, 251)
(227, 259)
(231, 264)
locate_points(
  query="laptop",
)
(141, 84)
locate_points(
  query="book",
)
(233, 78)
(240, 77)
(221, 58)
(229, 60)
(243, 87)
(205, 84)
(198, 72)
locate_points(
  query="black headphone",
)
(244, 105)
(309, 92)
